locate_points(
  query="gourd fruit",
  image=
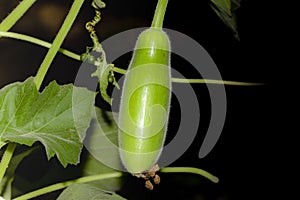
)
(145, 101)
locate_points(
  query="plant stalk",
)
(159, 14)
(16, 14)
(57, 42)
(212, 81)
(39, 42)
(65, 184)
(122, 71)
(9, 151)
(191, 170)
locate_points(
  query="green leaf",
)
(5, 185)
(225, 9)
(104, 71)
(101, 142)
(102, 74)
(57, 117)
(86, 191)
(223, 5)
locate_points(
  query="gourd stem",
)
(159, 14)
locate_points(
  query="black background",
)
(246, 154)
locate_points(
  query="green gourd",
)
(145, 101)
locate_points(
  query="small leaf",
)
(57, 117)
(223, 5)
(103, 71)
(225, 9)
(86, 191)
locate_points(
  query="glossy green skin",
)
(145, 102)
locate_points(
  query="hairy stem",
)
(119, 70)
(58, 41)
(65, 184)
(190, 170)
(159, 14)
(211, 81)
(39, 42)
